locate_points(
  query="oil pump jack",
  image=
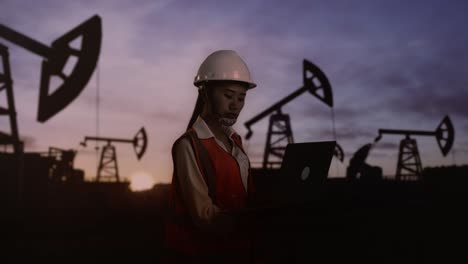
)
(52, 100)
(279, 129)
(409, 165)
(55, 59)
(108, 169)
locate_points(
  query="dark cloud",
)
(349, 134)
(422, 81)
(386, 146)
(381, 155)
(347, 115)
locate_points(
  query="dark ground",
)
(380, 222)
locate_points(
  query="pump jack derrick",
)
(6, 83)
(409, 166)
(279, 130)
(52, 100)
(108, 169)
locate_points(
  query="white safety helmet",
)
(223, 65)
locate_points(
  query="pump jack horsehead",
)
(279, 131)
(55, 58)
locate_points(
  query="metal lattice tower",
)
(279, 130)
(409, 167)
(278, 136)
(108, 169)
(6, 84)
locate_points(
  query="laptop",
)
(303, 171)
(306, 163)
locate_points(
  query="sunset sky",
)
(391, 64)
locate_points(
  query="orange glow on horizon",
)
(141, 181)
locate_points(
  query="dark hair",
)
(197, 110)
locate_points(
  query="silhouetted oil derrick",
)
(409, 166)
(108, 169)
(279, 129)
(6, 84)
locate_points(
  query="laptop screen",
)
(306, 162)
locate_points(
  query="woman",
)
(211, 180)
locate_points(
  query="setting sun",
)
(140, 181)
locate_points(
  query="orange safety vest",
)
(221, 173)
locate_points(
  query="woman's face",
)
(226, 102)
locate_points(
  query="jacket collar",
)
(204, 132)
